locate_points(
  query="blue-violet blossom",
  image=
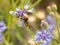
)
(51, 23)
(2, 26)
(44, 36)
(1, 38)
(20, 12)
(50, 19)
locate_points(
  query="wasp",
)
(25, 18)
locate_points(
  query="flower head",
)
(50, 20)
(20, 12)
(0, 38)
(2, 26)
(44, 36)
(50, 28)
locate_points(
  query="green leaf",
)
(36, 3)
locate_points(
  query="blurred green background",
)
(17, 35)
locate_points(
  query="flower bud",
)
(48, 9)
(54, 7)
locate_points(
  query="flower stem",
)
(57, 25)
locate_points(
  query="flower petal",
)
(31, 10)
(26, 6)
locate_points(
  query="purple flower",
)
(50, 20)
(44, 36)
(2, 26)
(50, 28)
(1, 38)
(51, 23)
(20, 12)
